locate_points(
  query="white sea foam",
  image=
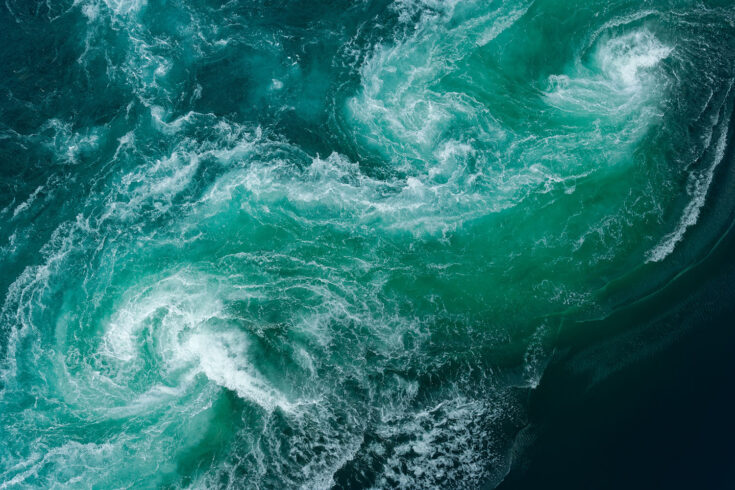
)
(91, 456)
(160, 345)
(69, 145)
(155, 187)
(192, 334)
(441, 445)
(25, 295)
(621, 81)
(626, 59)
(117, 8)
(28, 202)
(698, 186)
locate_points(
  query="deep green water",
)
(279, 244)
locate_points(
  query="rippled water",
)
(313, 244)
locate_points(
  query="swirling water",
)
(315, 244)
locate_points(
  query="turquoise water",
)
(296, 244)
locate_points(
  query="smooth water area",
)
(335, 244)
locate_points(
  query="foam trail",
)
(698, 187)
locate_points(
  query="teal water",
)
(336, 244)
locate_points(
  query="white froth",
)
(621, 85)
(192, 335)
(28, 202)
(698, 187)
(116, 8)
(155, 186)
(626, 59)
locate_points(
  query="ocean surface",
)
(367, 244)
